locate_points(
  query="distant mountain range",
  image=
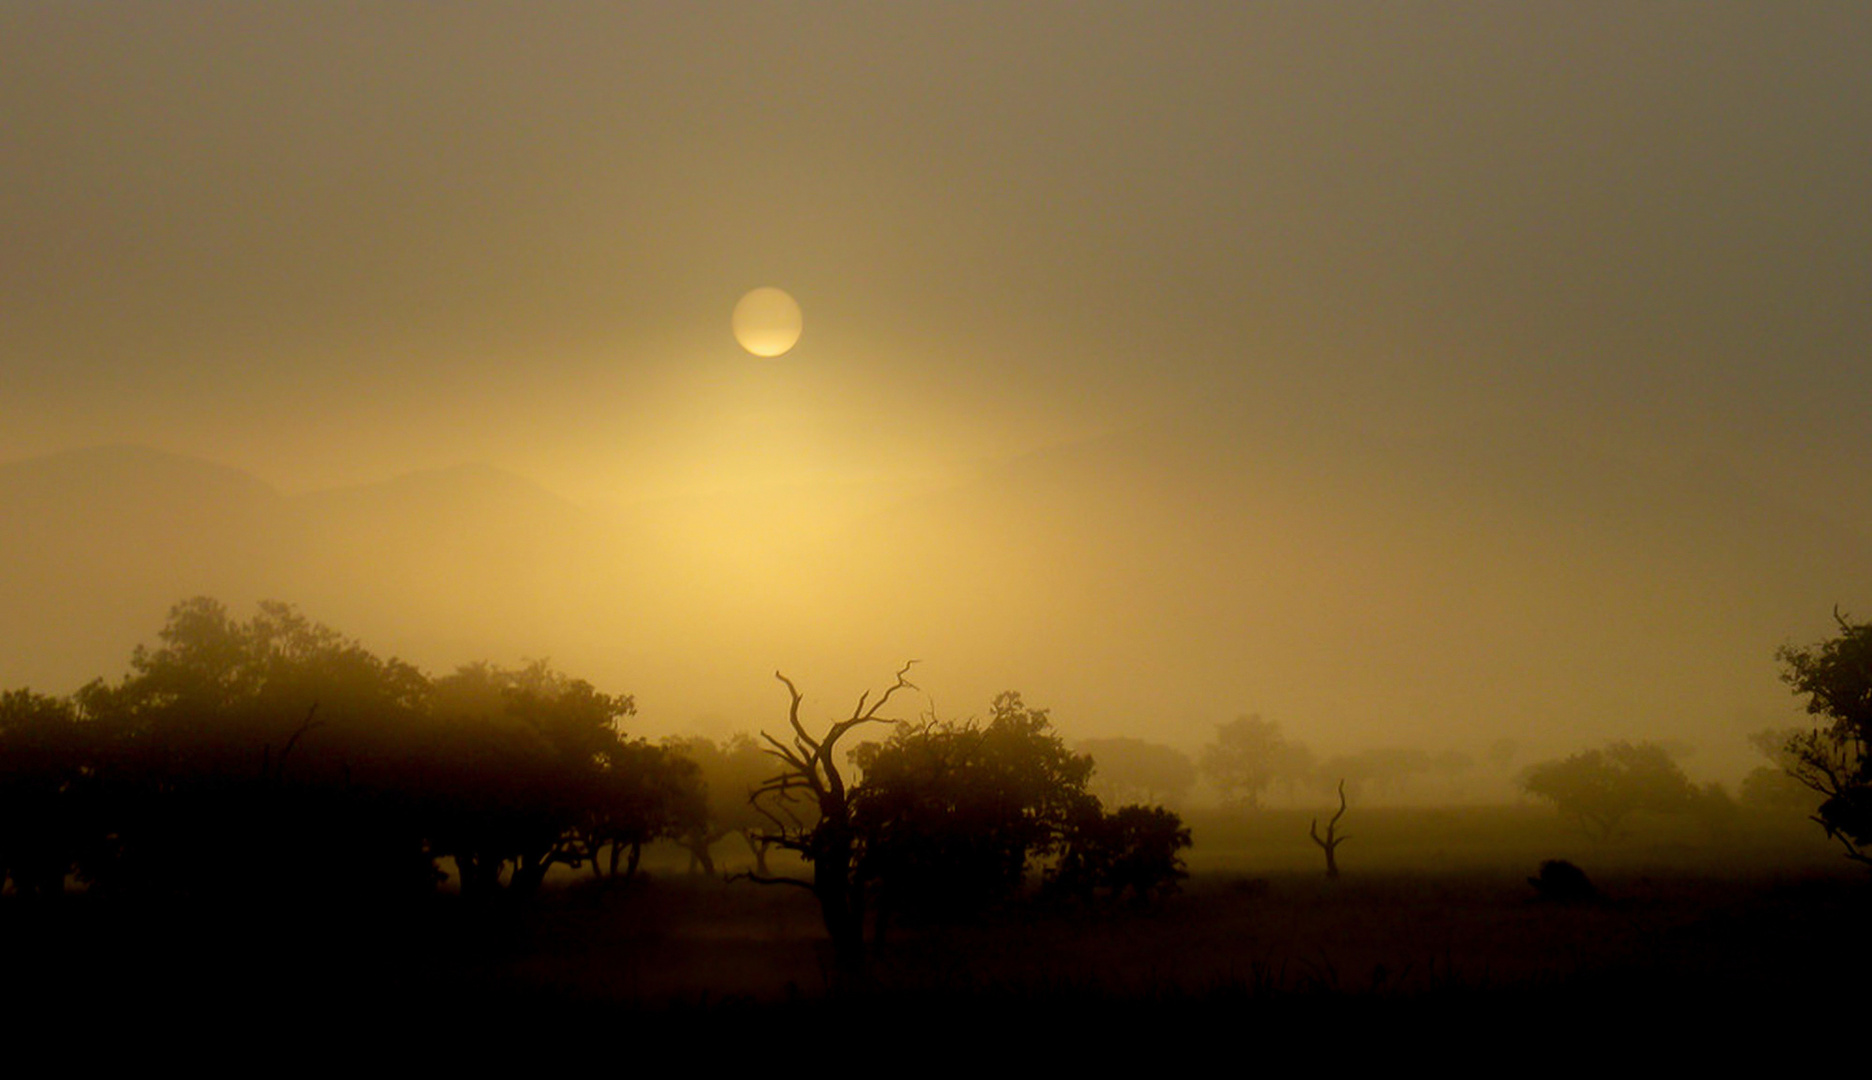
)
(1439, 591)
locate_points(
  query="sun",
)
(767, 322)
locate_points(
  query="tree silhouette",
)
(1331, 841)
(277, 756)
(731, 772)
(45, 791)
(1601, 789)
(1134, 771)
(531, 769)
(1836, 677)
(826, 837)
(1135, 849)
(1248, 755)
(261, 755)
(954, 815)
(949, 817)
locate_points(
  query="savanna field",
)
(264, 828)
(1343, 524)
(1433, 929)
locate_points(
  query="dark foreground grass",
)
(1432, 939)
(1274, 957)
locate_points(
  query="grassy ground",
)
(1433, 928)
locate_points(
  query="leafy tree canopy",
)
(1134, 771)
(954, 814)
(1248, 755)
(276, 751)
(1601, 789)
(216, 685)
(1135, 849)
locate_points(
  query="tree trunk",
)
(759, 848)
(479, 876)
(529, 873)
(698, 845)
(841, 902)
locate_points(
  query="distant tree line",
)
(1602, 790)
(1250, 757)
(1823, 771)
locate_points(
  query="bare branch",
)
(902, 683)
(829, 843)
(786, 753)
(773, 817)
(799, 729)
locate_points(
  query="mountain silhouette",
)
(1453, 586)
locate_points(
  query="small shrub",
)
(1563, 882)
(1135, 850)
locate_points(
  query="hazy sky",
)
(330, 243)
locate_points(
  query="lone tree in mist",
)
(1134, 771)
(1248, 755)
(1601, 789)
(1836, 677)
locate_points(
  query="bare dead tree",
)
(830, 843)
(1330, 845)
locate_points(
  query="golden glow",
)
(767, 322)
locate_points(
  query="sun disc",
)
(767, 322)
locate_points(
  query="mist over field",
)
(1152, 583)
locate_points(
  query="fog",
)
(1410, 376)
